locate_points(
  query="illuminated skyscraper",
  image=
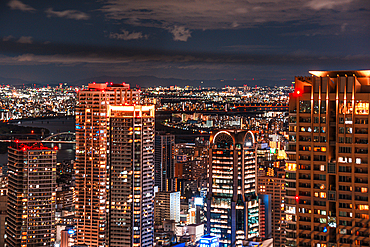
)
(92, 124)
(329, 142)
(164, 168)
(232, 205)
(31, 196)
(130, 214)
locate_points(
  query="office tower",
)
(166, 206)
(131, 176)
(164, 166)
(31, 195)
(232, 205)
(329, 114)
(91, 156)
(275, 187)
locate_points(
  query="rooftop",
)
(332, 74)
(29, 146)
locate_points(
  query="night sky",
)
(268, 40)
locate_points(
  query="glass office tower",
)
(232, 205)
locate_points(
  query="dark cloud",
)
(72, 54)
(126, 35)
(24, 40)
(69, 14)
(18, 5)
(228, 14)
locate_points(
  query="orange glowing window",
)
(291, 167)
(361, 107)
(363, 207)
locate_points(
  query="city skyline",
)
(268, 41)
(168, 166)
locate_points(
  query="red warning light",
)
(16, 141)
(55, 148)
(299, 92)
(297, 198)
(32, 131)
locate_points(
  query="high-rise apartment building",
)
(232, 205)
(275, 186)
(130, 214)
(31, 195)
(164, 166)
(92, 125)
(329, 136)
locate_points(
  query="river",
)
(54, 125)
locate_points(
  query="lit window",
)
(322, 195)
(363, 207)
(361, 107)
(364, 190)
(322, 168)
(316, 194)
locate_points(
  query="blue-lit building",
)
(209, 241)
(232, 203)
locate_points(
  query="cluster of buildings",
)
(264, 122)
(300, 184)
(26, 102)
(192, 99)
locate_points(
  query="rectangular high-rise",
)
(329, 142)
(92, 125)
(164, 167)
(31, 195)
(166, 206)
(130, 205)
(274, 186)
(232, 204)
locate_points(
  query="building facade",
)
(275, 187)
(130, 214)
(164, 166)
(166, 206)
(232, 204)
(91, 157)
(329, 115)
(31, 196)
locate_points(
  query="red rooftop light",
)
(55, 148)
(17, 141)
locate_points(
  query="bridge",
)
(63, 137)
